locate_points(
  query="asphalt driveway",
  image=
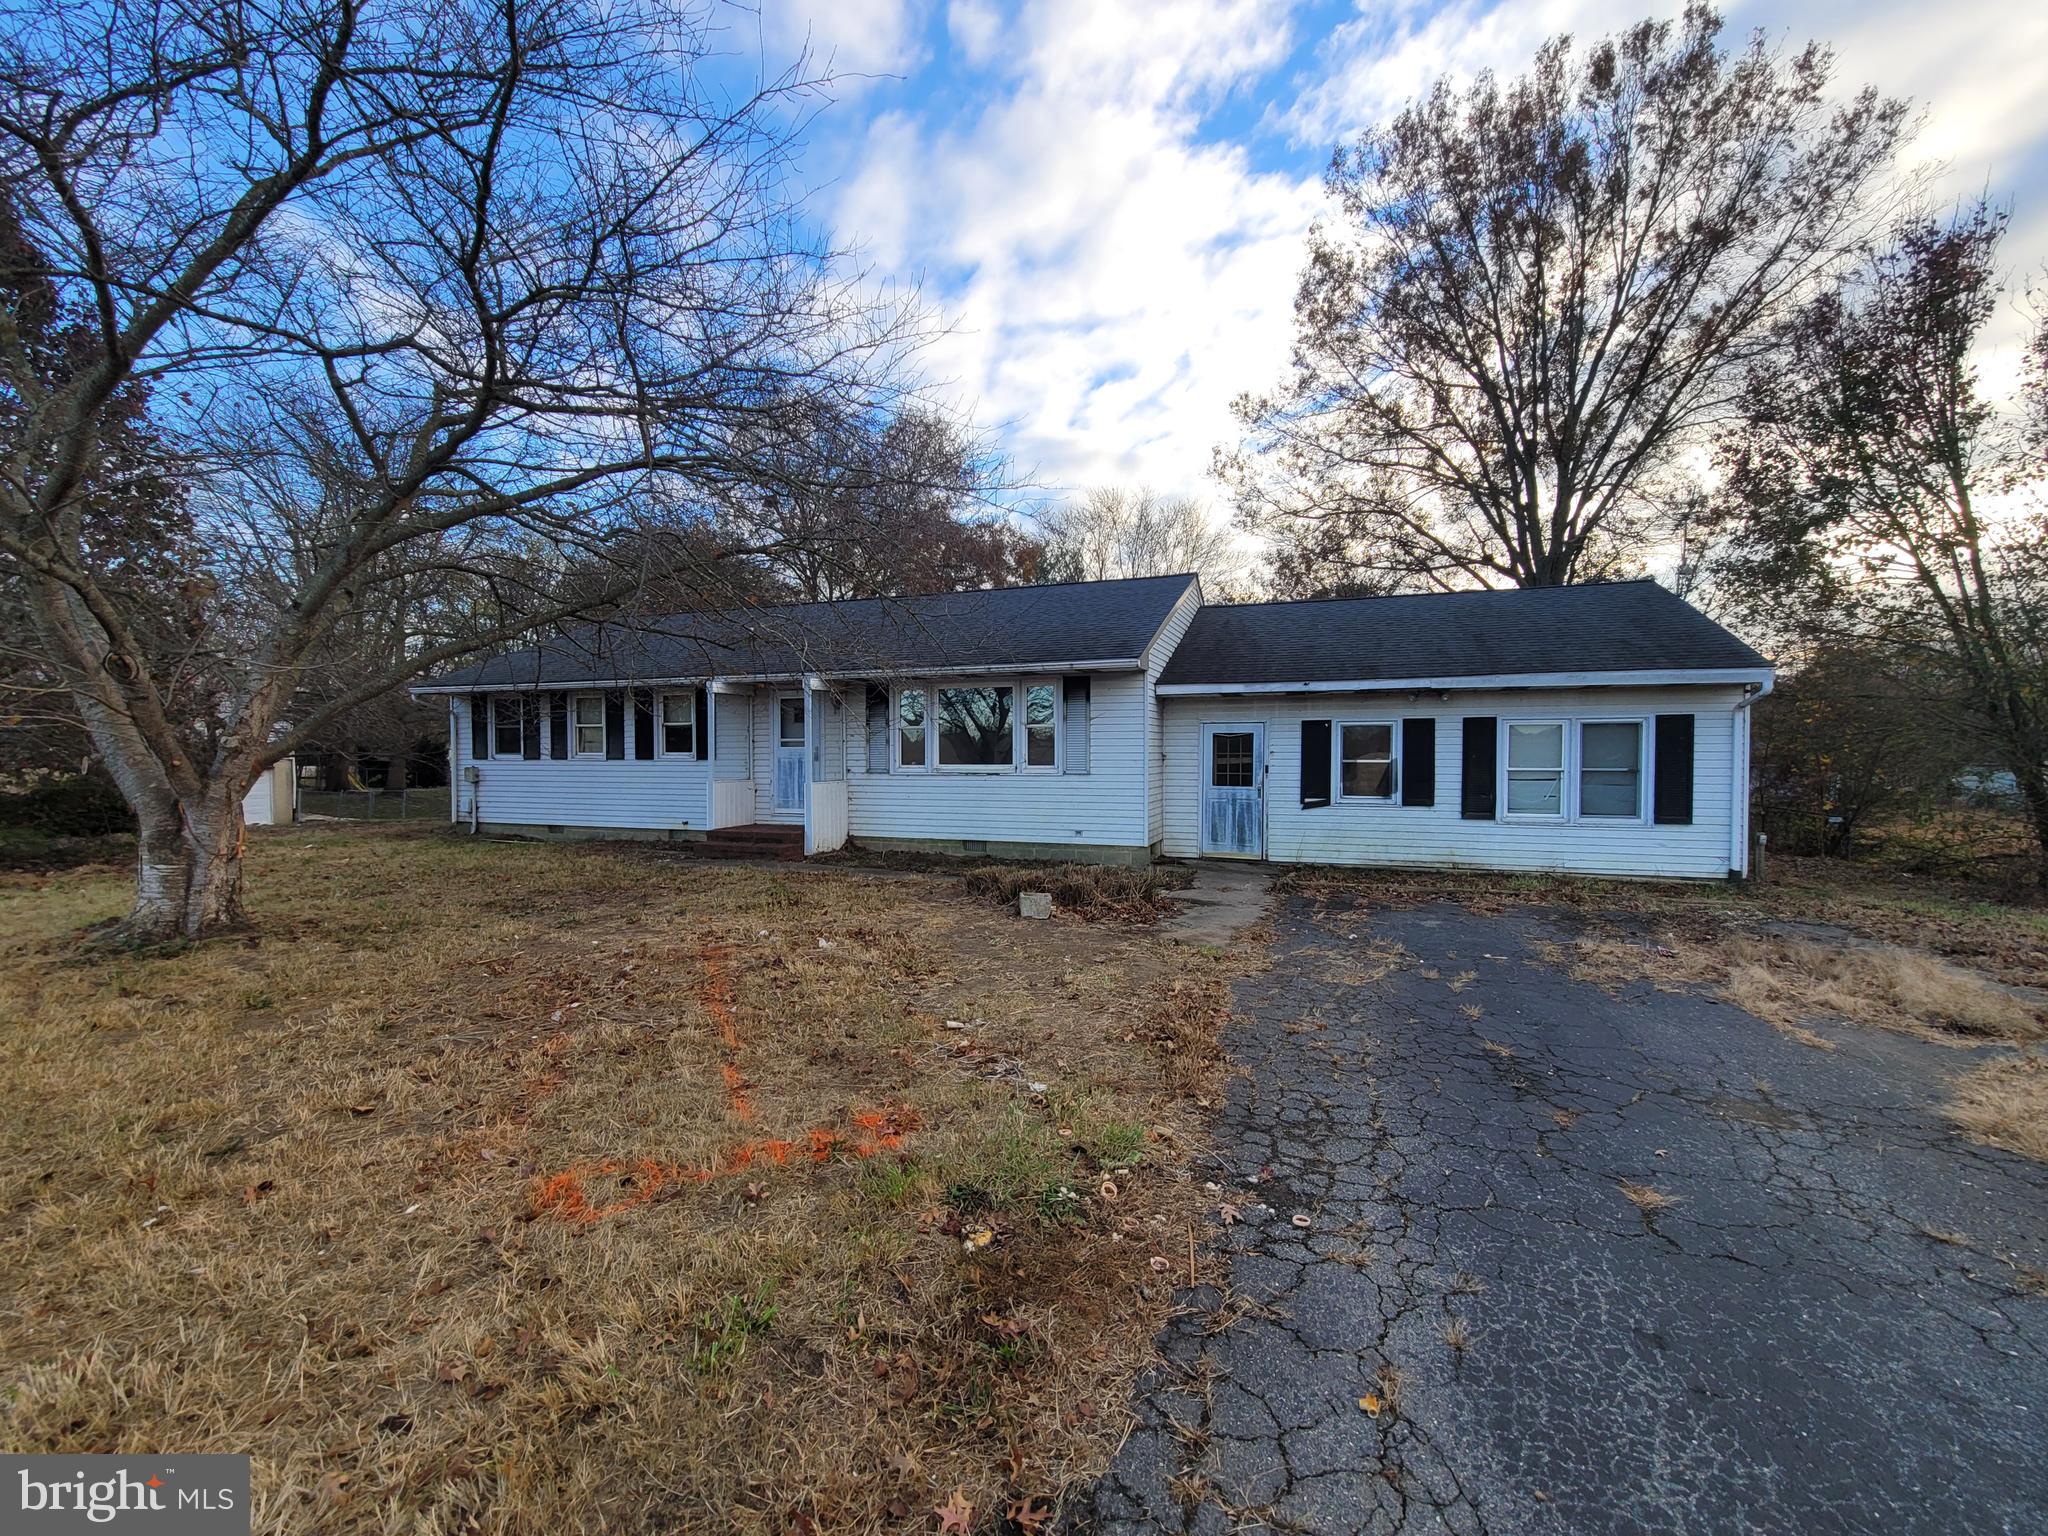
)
(1831, 1330)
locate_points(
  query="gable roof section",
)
(1096, 623)
(1616, 627)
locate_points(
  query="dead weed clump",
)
(2004, 1103)
(1646, 1198)
(1787, 981)
(1096, 892)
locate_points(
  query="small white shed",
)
(273, 799)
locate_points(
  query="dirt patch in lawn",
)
(544, 1188)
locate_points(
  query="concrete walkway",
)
(1227, 899)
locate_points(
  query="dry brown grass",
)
(1646, 1198)
(1097, 892)
(537, 1188)
(1789, 980)
(2004, 1103)
(1792, 982)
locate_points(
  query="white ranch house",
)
(1594, 729)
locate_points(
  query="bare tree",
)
(1534, 296)
(1117, 531)
(878, 505)
(1863, 486)
(410, 281)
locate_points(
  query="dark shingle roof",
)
(1626, 626)
(1094, 621)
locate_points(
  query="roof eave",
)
(1653, 678)
(990, 669)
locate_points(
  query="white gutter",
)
(991, 669)
(1738, 809)
(1664, 678)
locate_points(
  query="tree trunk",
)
(2033, 785)
(188, 878)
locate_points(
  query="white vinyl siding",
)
(1155, 742)
(732, 734)
(658, 794)
(1389, 833)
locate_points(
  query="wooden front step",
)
(755, 840)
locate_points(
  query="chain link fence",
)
(375, 804)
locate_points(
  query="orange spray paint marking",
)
(562, 1195)
(715, 993)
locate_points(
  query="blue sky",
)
(1106, 202)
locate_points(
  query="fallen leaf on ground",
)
(956, 1514)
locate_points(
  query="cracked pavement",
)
(1831, 1330)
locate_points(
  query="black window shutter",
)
(878, 728)
(615, 725)
(703, 733)
(1418, 760)
(1077, 698)
(1315, 762)
(529, 726)
(479, 725)
(1479, 767)
(1673, 793)
(558, 725)
(643, 723)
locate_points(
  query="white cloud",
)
(849, 40)
(1114, 278)
(976, 27)
(1389, 54)
(1113, 281)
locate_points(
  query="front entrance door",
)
(792, 772)
(1234, 790)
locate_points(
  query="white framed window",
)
(976, 727)
(1041, 726)
(678, 734)
(589, 722)
(507, 731)
(913, 747)
(1365, 759)
(1535, 774)
(1610, 778)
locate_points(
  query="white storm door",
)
(792, 769)
(1234, 790)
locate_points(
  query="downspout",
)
(1738, 819)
